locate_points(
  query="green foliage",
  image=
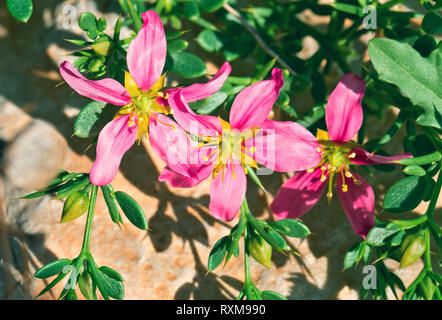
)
(187, 65)
(20, 9)
(52, 268)
(417, 77)
(404, 195)
(132, 210)
(403, 71)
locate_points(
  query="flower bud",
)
(103, 46)
(413, 247)
(75, 206)
(427, 287)
(86, 285)
(260, 250)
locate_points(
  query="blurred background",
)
(37, 114)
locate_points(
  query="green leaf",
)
(417, 77)
(396, 240)
(20, 9)
(404, 195)
(215, 101)
(53, 283)
(377, 235)
(271, 295)
(352, 255)
(349, 8)
(177, 45)
(72, 186)
(101, 24)
(70, 295)
(110, 199)
(291, 228)
(235, 236)
(188, 65)
(111, 273)
(87, 21)
(191, 11)
(210, 5)
(52, 268)
(432, 22)
(79, 42)
(210, 40)
(109, 287)
(218, 253)
(275, 239)
(414, 170)
(132, 210)
(92, 118)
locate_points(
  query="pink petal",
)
(298, 194)
(105, 90)
(343, 113)
(179, 181)
(283, 153)
(113, 142)
(291, 129)
(226, 195)
(358, 204)
(201, 125)
(363, 157)
(172, 144)
(147, 52)
(253, 104)
(200, 91)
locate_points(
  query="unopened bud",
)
(260, 250)
(413, 248)
(75, 206)
(86, 285)
(103, 46)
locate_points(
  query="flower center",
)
(230, 144)
(335, 159)
(144, 105)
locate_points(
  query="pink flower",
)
(343, 115)
(227, 148)
(141, 98)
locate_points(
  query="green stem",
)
(85, 249)
(434, 197)
(248, 278)
(427, 251)
(250, 290)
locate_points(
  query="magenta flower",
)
(250, 138)
(141, 98)
(343, 116)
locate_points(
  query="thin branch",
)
(260, 41)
